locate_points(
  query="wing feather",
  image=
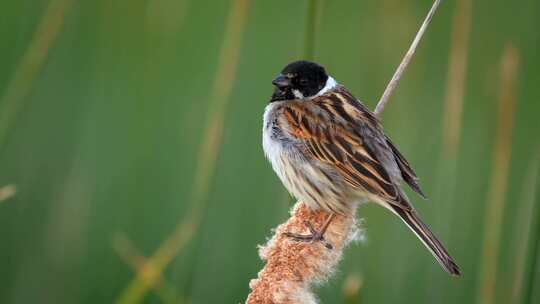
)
(338, 130)
(407, 172)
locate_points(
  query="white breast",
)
(273, 149)
(303, 179)
(291, 169)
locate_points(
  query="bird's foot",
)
(314, 236)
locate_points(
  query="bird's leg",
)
(314, 236)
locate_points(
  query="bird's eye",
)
(303, 81)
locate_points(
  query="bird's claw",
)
(314, 236)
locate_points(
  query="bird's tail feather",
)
(422, 231)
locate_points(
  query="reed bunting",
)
(330, 151)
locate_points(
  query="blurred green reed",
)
(310, 31)
(499, 176)
(30, 64)
(210, 146)
(130, 146)
(352, 288)
(527, 231)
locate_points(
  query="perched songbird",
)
(330, 151)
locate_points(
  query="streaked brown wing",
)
(407, 172)
(338, 130)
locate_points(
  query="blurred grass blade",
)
(312, 24)
(457, 72)
(495, 204)
(453, 104)
(140, 264)
(530, 292)
(524, 232)
(209, 150)
(352, 288)
(533, 293)
(12, 101)
(445, 185)
(142, 282)
(7, 192)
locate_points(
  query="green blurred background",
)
(130, 146)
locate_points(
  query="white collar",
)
(330, 84)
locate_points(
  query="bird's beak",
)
(281, 81)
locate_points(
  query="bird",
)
(330, 152)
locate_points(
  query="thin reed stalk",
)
(209, 150)
(406, 59)
(495, 204)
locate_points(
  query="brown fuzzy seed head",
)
(293, 267)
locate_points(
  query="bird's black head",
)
(299, 80)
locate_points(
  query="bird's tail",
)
(422, 231)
